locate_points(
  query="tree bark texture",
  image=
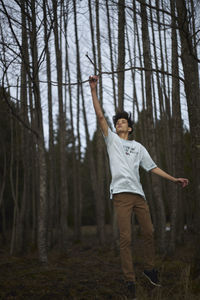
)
(121, 52)
(62, 131)
(161, 218)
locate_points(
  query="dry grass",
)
(89, 271)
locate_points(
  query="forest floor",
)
(88, 271)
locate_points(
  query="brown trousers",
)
(125, 204)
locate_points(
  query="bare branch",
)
(5, 96)
(147, 5)
(137, 68)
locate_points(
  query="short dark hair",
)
(123, 115)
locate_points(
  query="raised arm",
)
(100, 117)
(182, 181)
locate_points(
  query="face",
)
(122, 126)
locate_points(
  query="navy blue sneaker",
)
(152, 276)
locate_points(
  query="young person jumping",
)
(125, 158)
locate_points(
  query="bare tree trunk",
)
(14, 187)
(176, 135)
(160, 94)
(100, 204)
(192, 91)
(2, 189)
(121, 52)
(92, 36)
(21, 220)
(193, 28)
(161, 218)
(94, 173)
(77, 205)
(132, 59)
(167, 89)
(191, 74)
(3, 179)
(163, 98)
(74, 158)
(141, 64)
(62, 141)
(51, 164)
(33, 163)
(111, 54)
(142, 118)
(167, 104)
(112, 211)
(42, 216)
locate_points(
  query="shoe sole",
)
(153, 283)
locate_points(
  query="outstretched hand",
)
(93, 81)
(182, 181)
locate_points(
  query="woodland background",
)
(54, 172)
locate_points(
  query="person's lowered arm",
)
(100, 116)
(182, 181)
